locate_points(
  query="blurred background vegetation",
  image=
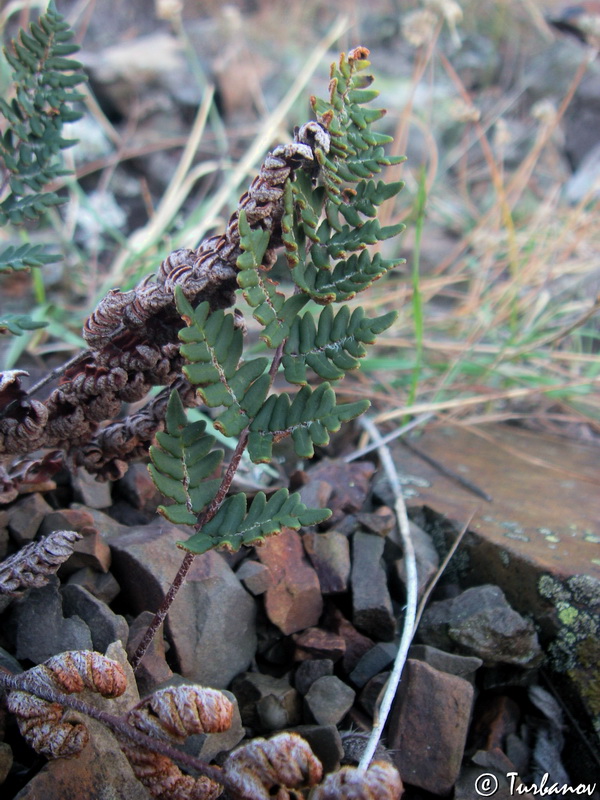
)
(496, 105)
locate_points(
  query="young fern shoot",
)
(320, 206)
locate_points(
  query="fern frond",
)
(182, 462)
(213, 348)
(309, 418)
(235, 525)
(332, 347)
(24, 257)
(271, 308)
(17, 324)
(44, 80)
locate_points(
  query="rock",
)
(137, 487)
(294, 602)
(480, 622)
(153, 669)
(473, 776)
(329, 553)
(211, 624)
(369, 696)
(41, 629)
(356, 643)
(9, 663)
(349, 482)
(91, 551)
(317, 643)
(428, 726)
(67, 519)
(463, 666)
(254, 576)
(264, 701)
(25, 518)
(325, 742)
(6, 761)
(89, 491)
(372, 610)
(380, 522)
(426, 556)
(105, 626)
(309, 671)
(102, 585)
(328, 700)
(373, 661)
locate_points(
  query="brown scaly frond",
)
(132, 338)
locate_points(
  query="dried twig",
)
(411, 596)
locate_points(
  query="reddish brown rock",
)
(356, 643)
(350, 485)
(294, 602)
(428, 726)
(317, 643)
(329, 553)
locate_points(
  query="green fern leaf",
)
(213, 348)
(24, 257)
(309, 418)
(271, 308)
(183, 460)
(334, 347)
(17, 324)
(235, 525)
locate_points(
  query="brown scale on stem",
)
(132, 338)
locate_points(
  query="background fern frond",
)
(44, 81)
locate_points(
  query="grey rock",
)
(89, 491)
(309, 671)
(102, 585)
(463, 666)
(330, 556)
(426, 556)
(480, 622)
(254, 576)
(211, 625)
(41, 629)
(264, 701)
(373, 661)
(328, 700)
(325, 742)
(138, 488)
(9, 662)
(430, 716)
(104, 624)
(371, 603)
(26, 516)
(153, 670)
(370, 693)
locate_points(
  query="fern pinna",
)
(325, 217)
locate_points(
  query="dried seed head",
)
(77, 670)
(359, 54)
(164, 779)
(380, 781)
(267, 768)
(418, 27)
(46, 727)
(34, 563)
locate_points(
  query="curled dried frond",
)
(381, 781)
(267, 768)
(48, 728)
(180, 711)
(77, 670)
(34, 563)
(164, 779)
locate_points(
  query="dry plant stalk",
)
(33, 565)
